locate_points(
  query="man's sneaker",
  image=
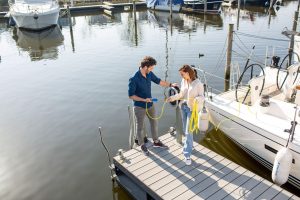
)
(188, 161)
(158, 143)
(145, 150)
(146, 140)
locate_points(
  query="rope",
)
(259, 62)
(108, 154)
(221, 55)
(260, 37)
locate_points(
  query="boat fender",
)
(282, 166)
(173, 91)
(203, 120)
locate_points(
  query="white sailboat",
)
(261, 116)
(34, 14)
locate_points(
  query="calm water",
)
(57, 89)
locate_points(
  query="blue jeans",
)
(188, 143)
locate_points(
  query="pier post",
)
(134, 18)
(238, 16)
(171, 9)
(71, 28)
(228, 56)
(291, 46)
(205, 6)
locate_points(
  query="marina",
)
(58, 85)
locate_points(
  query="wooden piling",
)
(228, 57)
(291, 47)
(71, 28)
(238, 16)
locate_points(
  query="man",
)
(140, 92)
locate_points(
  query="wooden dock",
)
(164, 175)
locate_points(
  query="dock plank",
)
(247, 186)
(257, 190)
(283, 195)
(220, 183)
(181, 184)
(232, 185)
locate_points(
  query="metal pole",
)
(238, 16)
(134, 18)
(291, 47)
(228, 56)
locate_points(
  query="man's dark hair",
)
(148, 61)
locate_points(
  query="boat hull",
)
(258, 143)
(35, 20)
(197, 6)
(175, 8)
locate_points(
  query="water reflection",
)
(248, 12)
(193, 22)
(40, 45)
(185, 23)
(103, 19)
(131, 31)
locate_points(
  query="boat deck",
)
(164, 175)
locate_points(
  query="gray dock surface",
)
(164, 175)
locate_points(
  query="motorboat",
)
(164, 5)
(39, 44)
(212, 6)
(34, 14)
(260, 113)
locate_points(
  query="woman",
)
(191, 90)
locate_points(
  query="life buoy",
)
(173, 91)
(282, 166)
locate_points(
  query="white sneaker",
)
(188, 161)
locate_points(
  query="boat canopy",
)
(153, 3)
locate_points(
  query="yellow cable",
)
(193, 123)
(161, 113)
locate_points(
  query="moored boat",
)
(34, 14)
(212, 6)
(164, 5)
(261, 116)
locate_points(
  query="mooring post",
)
(238, 16)
(71, 28)
(171, 9)
(228, 57)
(291, 47)
(134, 18)
(271, 4)
(205, 6)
